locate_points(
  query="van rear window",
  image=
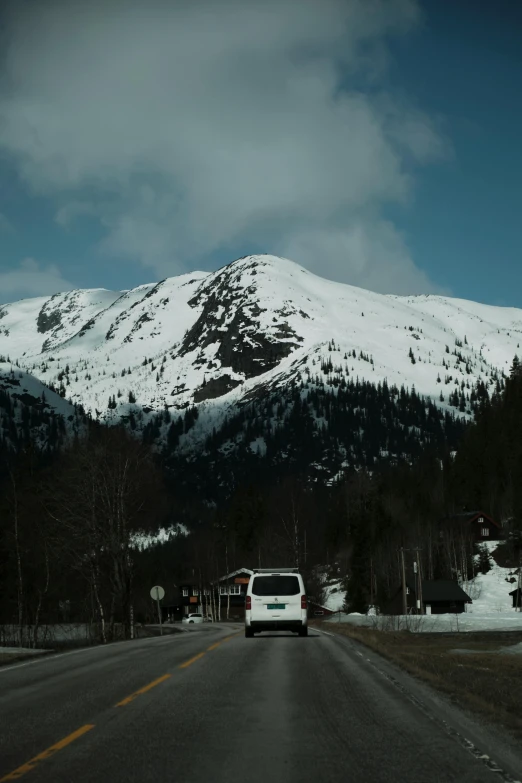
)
(275, 585)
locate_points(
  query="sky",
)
(375, 142)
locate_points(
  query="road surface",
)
(209, 706)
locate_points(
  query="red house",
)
(481, 526)
(318, 610)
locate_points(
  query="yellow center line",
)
(30, 765)
(18, 773)
(231, 637)
(226, 639)
(191, 660)
(142, 690)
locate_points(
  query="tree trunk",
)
(101, 611)
(19, 572)
(40, 596)
(227, 584)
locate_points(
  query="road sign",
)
(157, 592)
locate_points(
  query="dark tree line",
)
(313, 429)
(413, 505)
(338, 473)
(67, 526)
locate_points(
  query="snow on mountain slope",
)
(32, 326)
(30, 412)
(24, 387)
(215, 339)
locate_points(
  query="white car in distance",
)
(195, 617)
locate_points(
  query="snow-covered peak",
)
(214, 339)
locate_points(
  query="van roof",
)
(276, 571)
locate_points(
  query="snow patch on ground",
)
(334, 596)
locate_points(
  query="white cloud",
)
(30, 278)
(195, 126)
(369, 253)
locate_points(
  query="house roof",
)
(470, 516)
(441, 590)
(236, 573)
(515, 591)
(321, 606)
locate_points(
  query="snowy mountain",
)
(218, 340)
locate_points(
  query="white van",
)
(276, 601)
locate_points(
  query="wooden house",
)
(440, 596)
(318, 611)
(478, 524)
(227, 593)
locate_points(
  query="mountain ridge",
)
(214, 340)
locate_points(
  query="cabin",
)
(439, 596)
(229, 590)
(318, 611)
(481, 526)
(232, 592)
(517, 597)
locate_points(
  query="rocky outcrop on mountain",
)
(230, 318)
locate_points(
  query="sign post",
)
(157, 593)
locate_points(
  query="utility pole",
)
(371, 582)
(519, 583)
(418, 571)
(404, 594)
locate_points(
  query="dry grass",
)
(484, 681)
(14, 657)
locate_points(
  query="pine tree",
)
(484, 563)
(516, 368)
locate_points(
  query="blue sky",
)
(377, 143)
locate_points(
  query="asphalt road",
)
(209, 706)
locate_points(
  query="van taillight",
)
(303, 602)
(248, 604)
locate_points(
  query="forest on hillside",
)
(70, 514)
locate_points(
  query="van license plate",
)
(276, 606)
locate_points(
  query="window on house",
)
(185, 591)
(206, 591)
(407, 591)
(222, 589)
(480, 520)
(235, 589)
(195, 591)
(485, 532)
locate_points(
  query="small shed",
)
(439, 596)
(516, 594)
